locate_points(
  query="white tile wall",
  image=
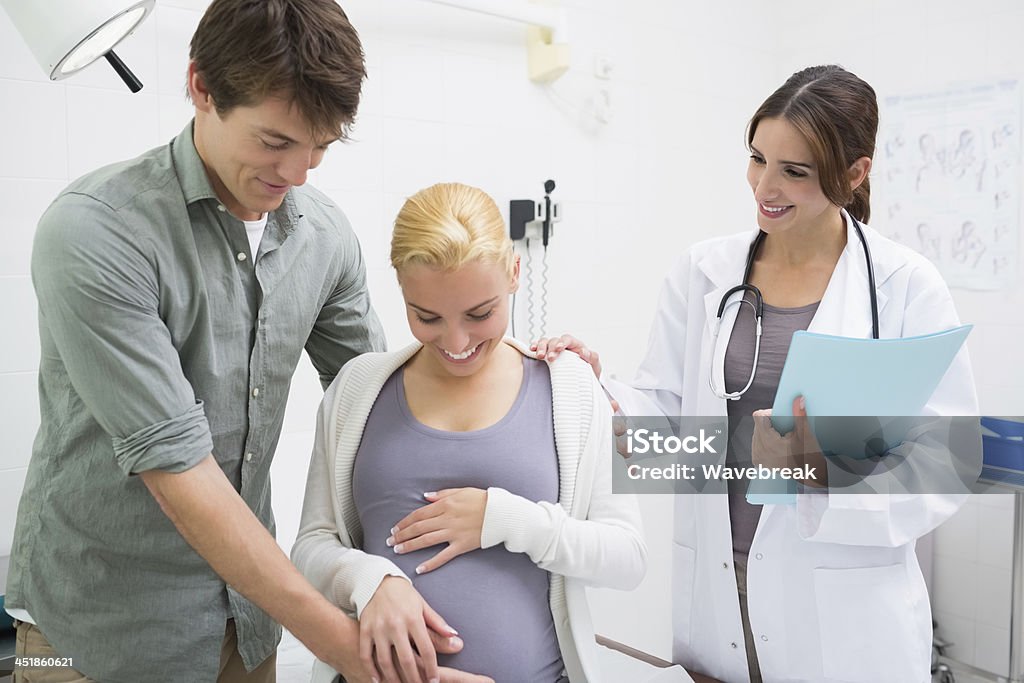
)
(19, 418)
(24, 200)
(355, 165)
(412, 82)
(960, 632)
(19, 347)
(303, 399)
(992, 649)
(105, 126)
(995, 530)
(955, 578)
(972, 579)
(11, 483)
(35, 118)
(175, 27)
(291, 464)
(175, 112)
(964, 524)
(417, 149)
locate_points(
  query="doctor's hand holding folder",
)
(861, 397)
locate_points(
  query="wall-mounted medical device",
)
(532, 222)
(68, 35)
(529, 219)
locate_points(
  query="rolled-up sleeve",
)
(97, 284)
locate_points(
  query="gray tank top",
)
(777, 328)
(496, 600)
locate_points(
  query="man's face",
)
(254, 154)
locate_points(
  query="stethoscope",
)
(758, 306)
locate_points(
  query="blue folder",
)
(843, 376)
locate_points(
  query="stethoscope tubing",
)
(758, 306)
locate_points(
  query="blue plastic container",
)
(1005, 448)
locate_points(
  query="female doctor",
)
(828, 589)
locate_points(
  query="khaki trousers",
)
(32, 643)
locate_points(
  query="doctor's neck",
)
(807, 243)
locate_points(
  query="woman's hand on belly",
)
(396, 620)
(453, 516)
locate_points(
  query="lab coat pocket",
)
(683, 579)
(867, 629)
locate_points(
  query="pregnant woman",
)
(461, 474)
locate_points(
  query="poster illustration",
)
(947, 179)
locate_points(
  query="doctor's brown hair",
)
(303, 50)
(837, 114)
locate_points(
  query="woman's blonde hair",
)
(448, 225)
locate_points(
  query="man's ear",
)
(858, 172)
(198, 91)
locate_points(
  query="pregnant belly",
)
(498, 602)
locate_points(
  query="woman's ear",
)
(515, 277)
(858, 172)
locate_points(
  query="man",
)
(176, 292)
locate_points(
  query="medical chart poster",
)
(947, 179)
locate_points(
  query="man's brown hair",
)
(303, 50)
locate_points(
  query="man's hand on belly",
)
(399, 631)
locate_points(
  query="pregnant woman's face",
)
(460, 316)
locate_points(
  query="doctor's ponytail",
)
(837, 114)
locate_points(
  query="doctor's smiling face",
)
(811, 144)
(784, 179)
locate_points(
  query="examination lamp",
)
(68, 35)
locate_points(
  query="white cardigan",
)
(590, 537)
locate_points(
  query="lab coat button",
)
(759, 556)
(764, 638)
(241, 256)
(220, 207)
(733, 645)
(725, 565)
(248, 457)
(255, 392)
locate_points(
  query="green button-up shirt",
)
(163, 340)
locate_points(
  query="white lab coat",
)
(835, 591)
